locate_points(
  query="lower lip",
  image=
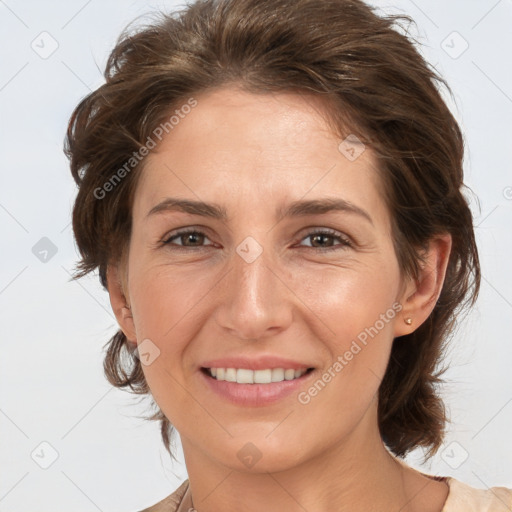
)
(254, 395)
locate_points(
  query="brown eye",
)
(321, 240)
(192, 239)
(327, 240)
(187, 239)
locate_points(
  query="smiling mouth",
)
(246, 376)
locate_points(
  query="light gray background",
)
(53, 330)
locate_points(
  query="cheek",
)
(345, 312)
(337, 305)
(362, 318)
(168, 310)
(360, 310)
(166, 300)
(352, 299)
(171, 305)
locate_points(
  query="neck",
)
(358, 474)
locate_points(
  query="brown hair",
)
(377, 83)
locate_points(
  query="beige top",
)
(461, 498)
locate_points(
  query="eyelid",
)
(166, 239)
(345, 241)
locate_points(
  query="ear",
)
(120, 304)
(420, 295)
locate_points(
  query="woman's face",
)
(290, 265)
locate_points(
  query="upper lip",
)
(255, 363)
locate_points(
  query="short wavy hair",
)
(367, 68)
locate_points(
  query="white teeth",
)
(277, 375)
(262, 376)
(230, 375)
(245, 376)
(289, 374)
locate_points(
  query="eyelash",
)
(344, 241)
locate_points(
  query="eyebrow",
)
(321, 206)
(188, 206)
(294, 209)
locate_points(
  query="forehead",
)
(272, 147)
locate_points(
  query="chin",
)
(257, 454)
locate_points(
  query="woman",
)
(271, 191)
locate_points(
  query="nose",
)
(255, 301)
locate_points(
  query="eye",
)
(187, 238)
(322, 239)
(325, 240)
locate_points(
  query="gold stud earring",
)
(408, 321)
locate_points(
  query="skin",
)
(252, 154)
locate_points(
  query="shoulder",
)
(464, 498)
(175, 502)
(461, 498)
